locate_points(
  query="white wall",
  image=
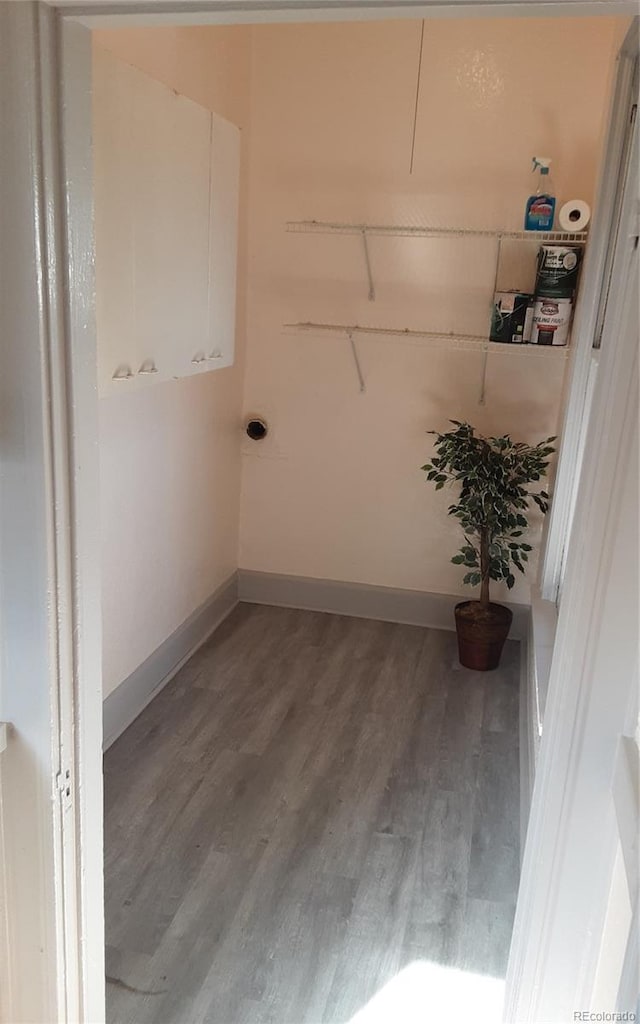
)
(336, 491)
(170, 453)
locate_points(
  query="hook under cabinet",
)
(123, 372)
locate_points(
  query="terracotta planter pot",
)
(481, 634)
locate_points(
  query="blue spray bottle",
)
(541, 206)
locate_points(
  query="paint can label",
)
(551, 320)
(558, 267)
(512, 317)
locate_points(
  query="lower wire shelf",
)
(435, 339)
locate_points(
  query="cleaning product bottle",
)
(541, 206)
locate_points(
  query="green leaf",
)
(493, 477)
(472, 578)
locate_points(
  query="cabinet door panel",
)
(166, 209)
(170, 227)
(114, 166)
(223, 240)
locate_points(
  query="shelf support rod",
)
(482, 400)
(483, 377)
(367, 260)
(354, 353)
(415, 109)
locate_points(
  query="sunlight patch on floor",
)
(427, 993)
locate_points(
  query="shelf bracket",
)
(354, 353)
(367, 260)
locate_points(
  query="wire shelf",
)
(434, 339)
(320, 227)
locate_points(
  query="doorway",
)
(315, 165)
(73, 105)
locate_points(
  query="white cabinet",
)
(166, 175)
(170, 226)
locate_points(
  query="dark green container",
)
(558, 268)
(512, 317)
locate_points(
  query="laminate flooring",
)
(313, 803)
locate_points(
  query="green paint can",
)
(558, 267)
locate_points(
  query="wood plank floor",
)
(312, 803)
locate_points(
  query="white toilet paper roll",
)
(574, 215)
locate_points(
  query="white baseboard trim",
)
(536, 655)
(361, 600)
(527, 730)
(542, 638)
(126, 702)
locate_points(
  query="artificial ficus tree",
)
(494, 475)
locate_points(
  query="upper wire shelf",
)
(321, 227)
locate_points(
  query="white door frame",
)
(62, 170)
(34, 589)
(593, 688)
(585, 324)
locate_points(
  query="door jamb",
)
(71, 395)
(556, 828)
(576, 412)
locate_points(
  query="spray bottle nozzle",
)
(541, 162)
